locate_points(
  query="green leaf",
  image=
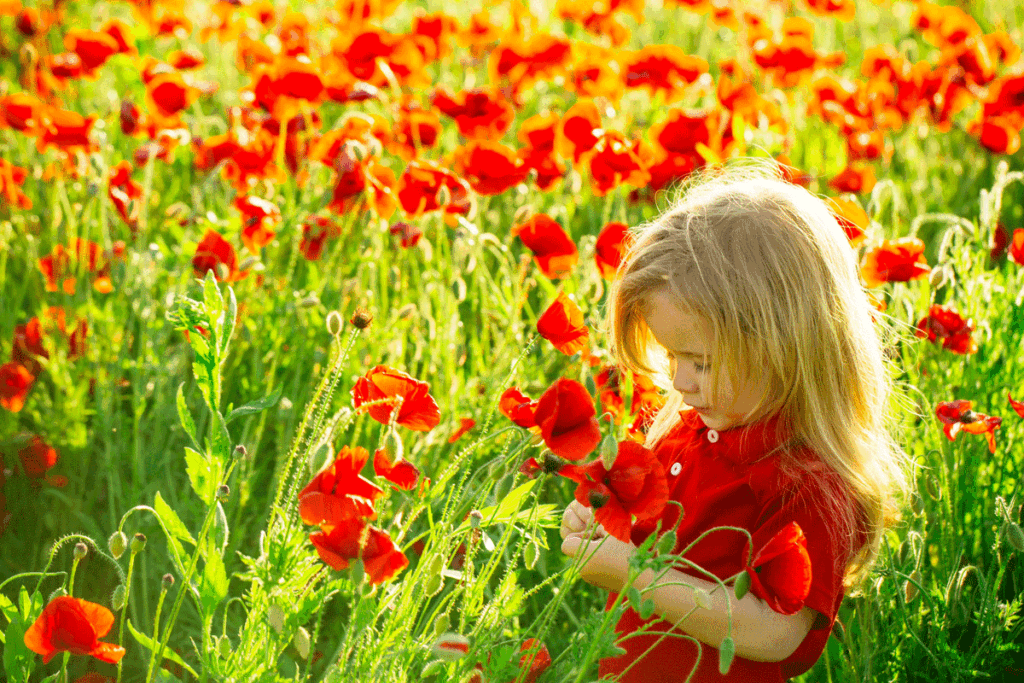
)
(185, 416)
(507, 509)
(18, 660)
(204, 473)
(175, 530)
(213, 586)
(150, 645)
(220, 528)
(253, 407)
(229, 323)
(220, 440)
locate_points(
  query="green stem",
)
(127, 594)
(156, 630)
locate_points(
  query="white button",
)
(676, 468)
(712, 436)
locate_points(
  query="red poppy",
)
(465, 424)
(518, 407)
(15, 381)
(780, 572)
(578, 130)
(857, 177)
(170, 94)
(957, 415)
(665, 68)
(258, 218)
(490, 167)
(409, 233)
(616, 160)
(566, 417)
(536, 657)
(68, 130)
(1016, 248)
(480, 113)
(93, 47)
(553, 250)
(339, 492)
(634, 486)
(73, 625)
(189, 58)
(315, 232)
(424, 186)
(28, 345)
(37, 458)
(610, 248)
(607, 382)
(1018, 406)
(945, 323)
(355, 539)
(901, 260)
(399, 472)
(126, 194)
(385, 386)
(22, 112)
(562, 325)
(216, 253)
(94, 677)
(59, 265)
(530, 468)
(12, 178)
(852, 219)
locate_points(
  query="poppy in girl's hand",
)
(780, 573)
(957, 415)
(72, 625)
(566, 417)
(355, 539)
(562, 325)
(339, 492)
(635, 485)
(418, 411)
(518, 407)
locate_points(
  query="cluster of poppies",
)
(341, 501)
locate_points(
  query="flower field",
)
(302, 341)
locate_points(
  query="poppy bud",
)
(742, 585)
(609, 451)
(138, 543)
(222, 271)
(552, 463)
(302, 642)
(432, 668)
(167, 582)
(240, 451)
(937, 278)
(667, 543)
(407, 311)
(838, 630)
(357, 572)
(248, 263)
(444, 195)
(224, 647)
(393, 445)
(309, 301)
(81, 550)
(361, 318)
(451, 646)
(536, 439)
(441, 625)
(917, 503)
(436, 565)
(275, 615)
(1015, 536)
(910, 589)
(934, 490)
(589, 383)
(702, 598)
(530, 554)
(433, 584)
(59, 592)
(502, 488)
(475, 517)
(117, 543)
(726, 651)
(223, 492)
(496, 470)
(598, 500)
(118, 598)
(334, 323)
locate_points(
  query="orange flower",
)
(258, 218)
(957, 415)
(12, 178)
(1018, 406)
(339, 492)
(72, 625)
(479, 113)
(1016, 248)
(465, 424)
(93, 47)
(615, 160)
(857, 177)
(553, 250)
(387, 387)
(901, 260)
(65, 129)
(21, 112)
(15, 381)
(170, 94)
(189, 58)
(562, 325)
(852, 219)
(662, 68)
(577, 131)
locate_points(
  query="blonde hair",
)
(766, 263)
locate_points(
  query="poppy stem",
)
(127, 595)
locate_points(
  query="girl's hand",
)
(605, 560)
(575, 520)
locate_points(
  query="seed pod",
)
(598, 499)
(117, 543)
(138, 543)
(275, 615)
(223, 493)
(441, 625)
(301, 642)
(667, 543)
(450, 646)
(118, 598)
(167, 582)
(475, 518)
(334, 323)
(726, 651)
(742, 585)
(1015, 536)
(81, 550)
(609, 451)
(240, 451)
(362, 318)
(530, 554)
(552, 463)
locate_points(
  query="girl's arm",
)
(760, 633)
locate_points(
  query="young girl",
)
(746, 293)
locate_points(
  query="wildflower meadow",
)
(302, 319)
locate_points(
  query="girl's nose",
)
(685, 382)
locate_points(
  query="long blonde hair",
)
(767, 264)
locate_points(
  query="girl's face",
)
(688, 340)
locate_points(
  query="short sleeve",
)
(818, 504)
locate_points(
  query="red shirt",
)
(731, 478)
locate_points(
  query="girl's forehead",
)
(676, 326)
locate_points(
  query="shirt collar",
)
(745, 444)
